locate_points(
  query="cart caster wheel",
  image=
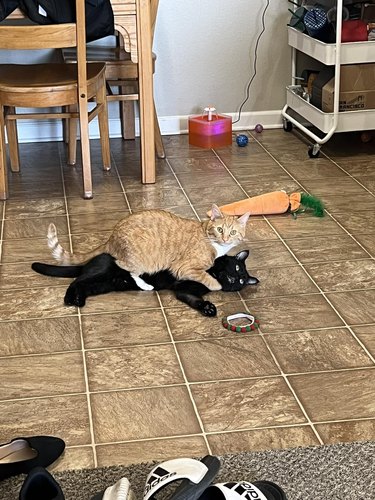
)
(313, 152)
(287, 125)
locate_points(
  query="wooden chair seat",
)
(36, 78)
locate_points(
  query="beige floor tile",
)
(187, 324)
(336, 395)
(133, 367)
(122, 329)
(63, 416)
(262, 439)
(100, 205)
(325, 249)
(44, 375)
(368, 241)
(340, 276)
(269, 185)
(343, 432)
(20, 275)
(325, 187)
(258, 230)
(34, 227)
(222, 196)
(104, 182)
(355, 307)
(269, 254)
(39, 336)
(189, 167)
(294, 312)
(305, 226)
(278, 281)
(267, 170)
(118, 302)
(168, 299)
(156, 197)
(88, 222)
(236, 405)
(33, 303)
(228, 358)
(357, 223)
(146, 451)
(29, 250)
(48, 207)
(366, 335)
(81, 457)
(317, 350)
(359, 202)
(35, 189)
(143, 413)
(320, 169)
(88, 241)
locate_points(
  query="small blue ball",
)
(242, 140)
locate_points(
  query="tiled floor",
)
(139, 376)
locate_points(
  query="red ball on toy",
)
(258, 128)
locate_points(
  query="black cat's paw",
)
(208, 309)
(74, 297)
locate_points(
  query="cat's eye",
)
(233, 232)
(237, 268)
(241, 281)
(219, 229)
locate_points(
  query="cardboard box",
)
(357, 89)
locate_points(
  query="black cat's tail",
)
(59, 271)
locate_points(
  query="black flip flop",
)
(194, 476)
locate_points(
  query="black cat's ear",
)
(252, 280)
(215, 212)
(244, 218)
(243, 255)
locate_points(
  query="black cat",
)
(102, 275)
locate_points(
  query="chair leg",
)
(159, 146)
(11, 127)
(71, 135)
(3, 159)
(101, 99)
(127, 115)
(65, 126)
(85, 146)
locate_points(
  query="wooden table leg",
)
(146, 100)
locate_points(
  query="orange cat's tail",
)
(63, 256)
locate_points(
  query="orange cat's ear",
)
(215, 212)
(244, 218)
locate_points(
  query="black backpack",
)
(99, 14)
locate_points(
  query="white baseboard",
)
(45, 131)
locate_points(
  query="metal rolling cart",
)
(330, 54)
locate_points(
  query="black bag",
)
(99, 14)
(7, 7)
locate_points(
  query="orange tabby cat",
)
(155, 240)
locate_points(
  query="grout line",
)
(187, 385)
(82, 349)
(286, 380)
(114, 165)
(200, 382)
(183, 190)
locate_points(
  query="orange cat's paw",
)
(215, 286)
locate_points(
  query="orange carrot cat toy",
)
(277, 202)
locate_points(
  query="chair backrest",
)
(17, 35)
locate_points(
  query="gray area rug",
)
(335, 472)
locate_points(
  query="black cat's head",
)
(231, 272)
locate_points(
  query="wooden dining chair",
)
(122, 73)
(60, 85)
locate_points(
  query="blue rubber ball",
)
(242, 140)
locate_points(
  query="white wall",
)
(205, 56)
(205, 52)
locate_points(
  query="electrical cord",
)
(255, 62)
